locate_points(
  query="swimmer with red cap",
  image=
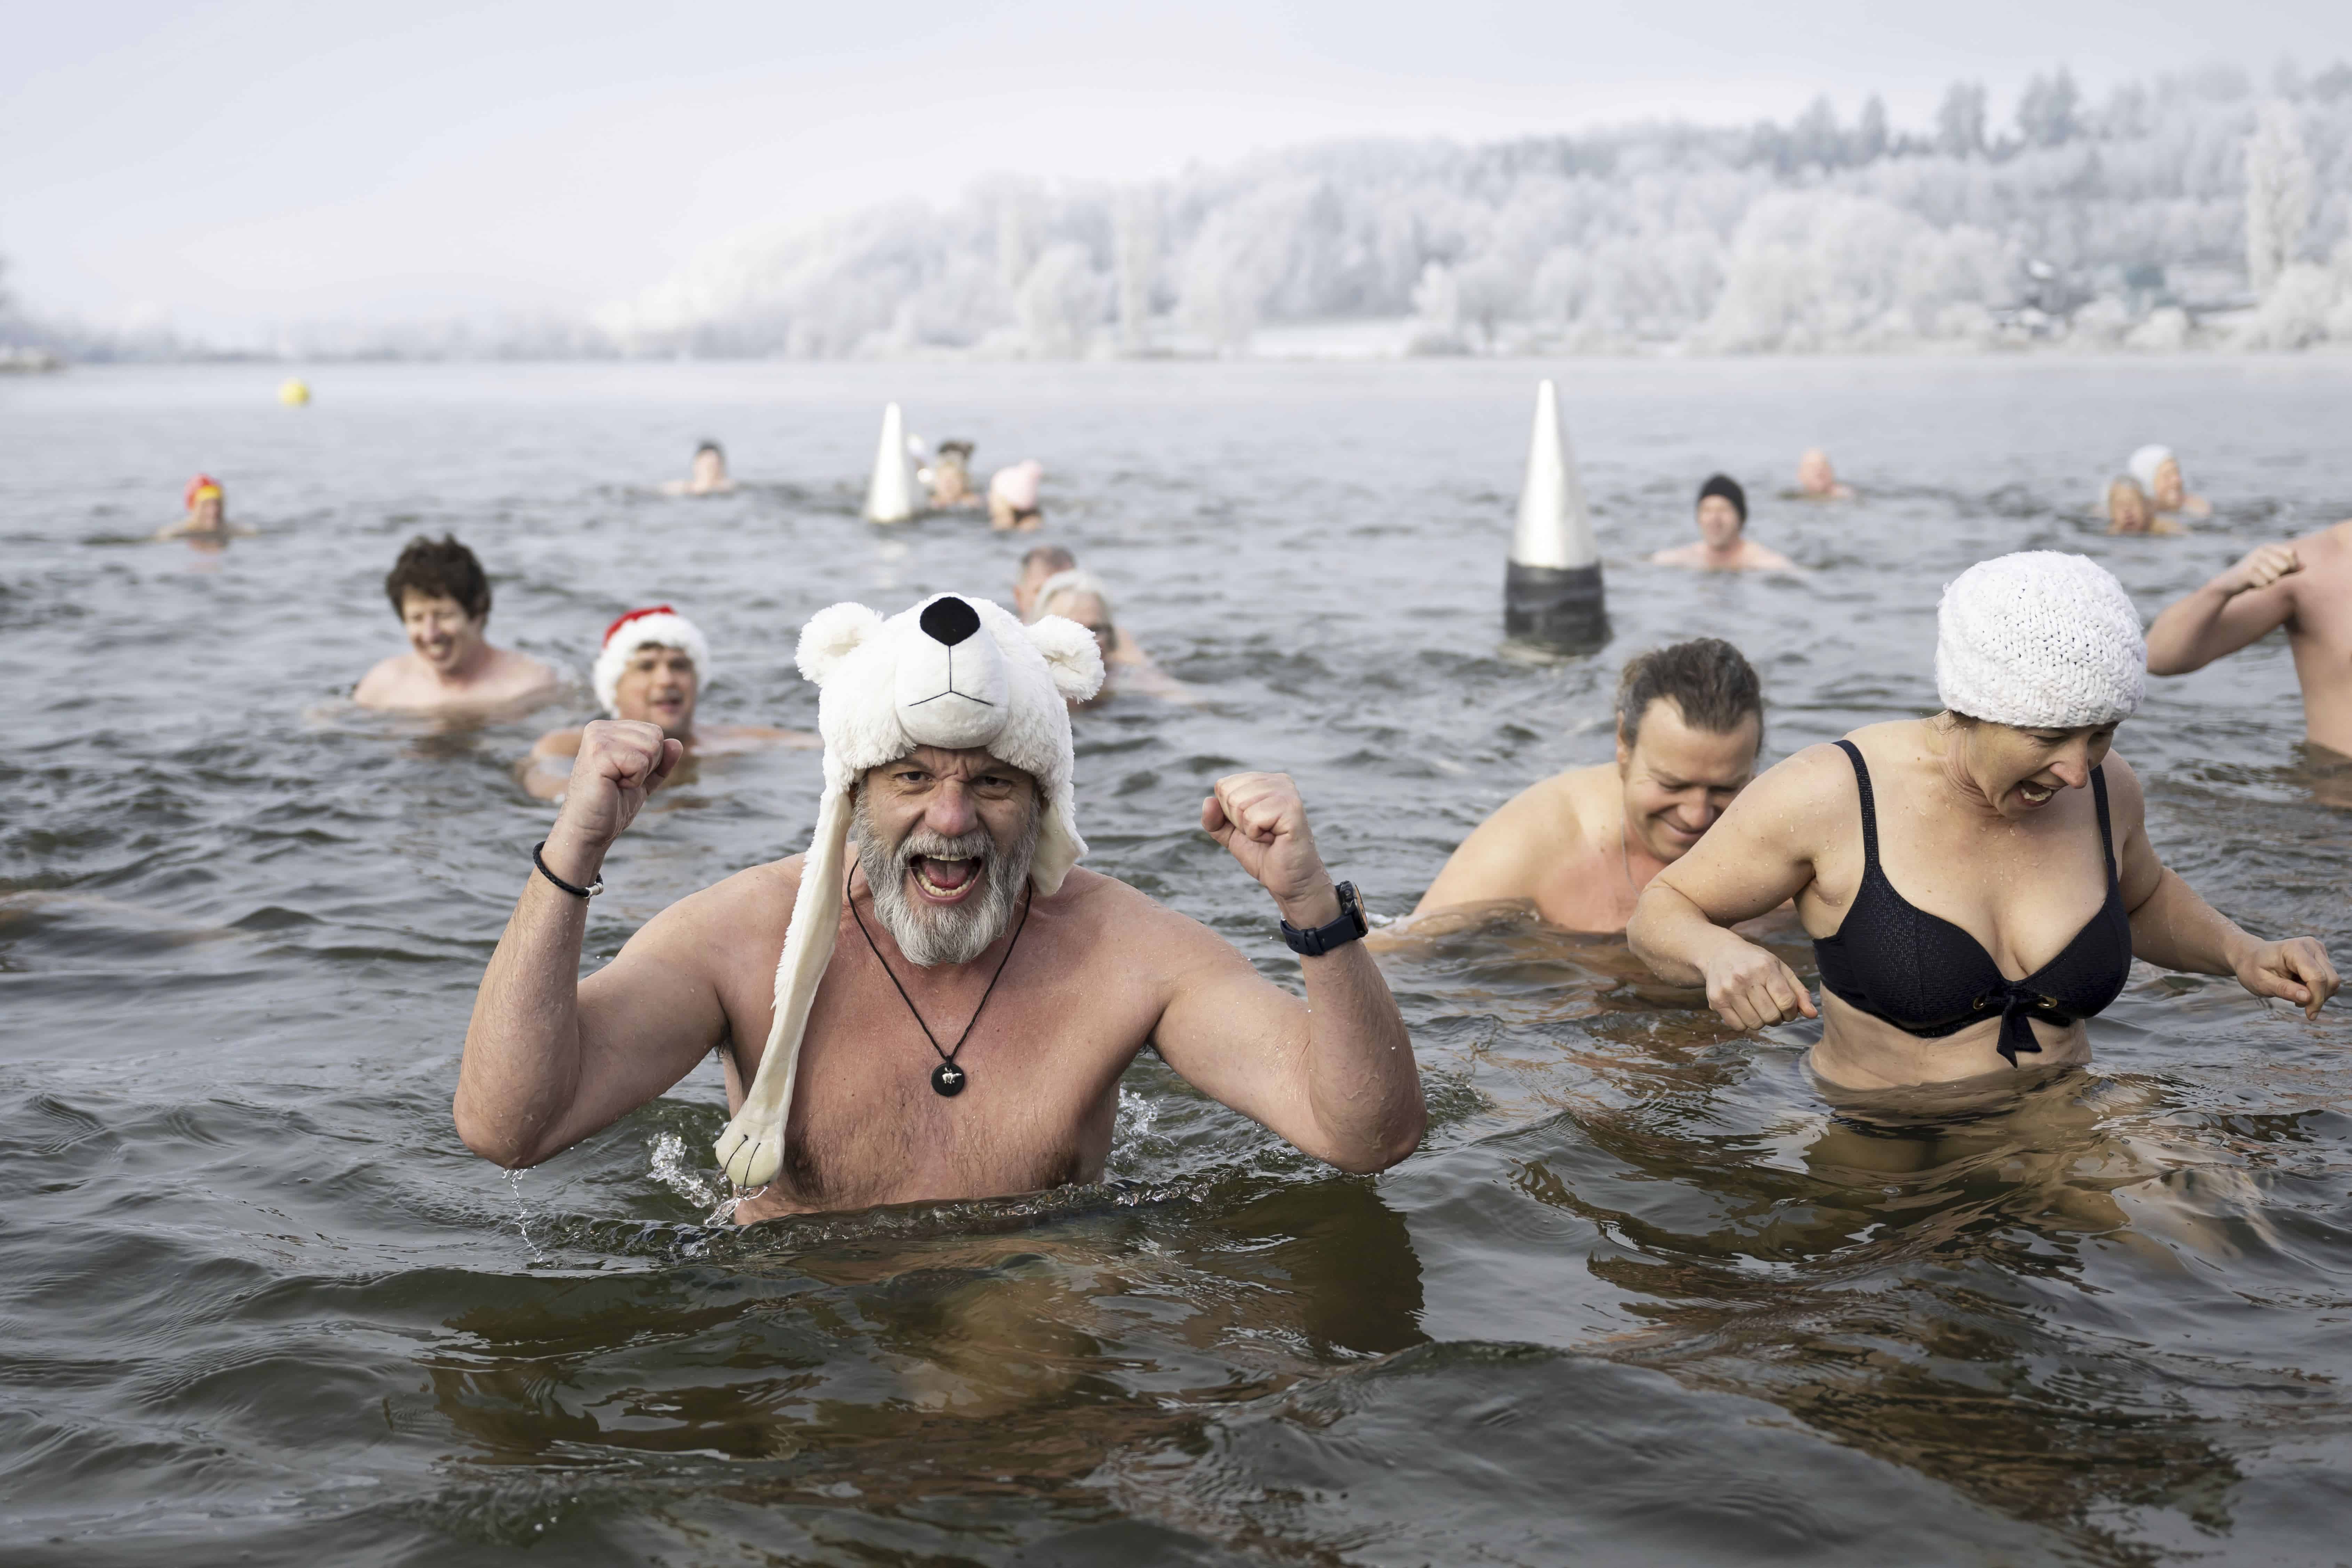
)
(652, 668)
(206, 523)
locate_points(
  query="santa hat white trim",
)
(955, 672)
(658, 626)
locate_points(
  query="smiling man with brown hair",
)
(1581, 845)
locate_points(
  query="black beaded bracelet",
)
(590, 891)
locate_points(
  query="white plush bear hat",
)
(954, 673)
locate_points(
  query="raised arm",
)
(1335, 1074)
(548, 1059)
(2174, 928)
(2248, 602)
(1757, 854)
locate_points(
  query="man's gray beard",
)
(934, 934)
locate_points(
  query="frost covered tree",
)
(2046, 110)
(2278, 194)
(1134, 257)
(1960, 120)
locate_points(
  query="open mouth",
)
(945, 880)
(2034, 793)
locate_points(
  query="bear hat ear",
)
(833, 633)
(1072, 655)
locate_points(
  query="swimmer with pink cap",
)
(1013, 496)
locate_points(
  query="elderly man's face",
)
(1088, 611)
(945, 838)
(659, 687)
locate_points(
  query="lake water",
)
(1638, 1299)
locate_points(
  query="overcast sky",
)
(222, 167)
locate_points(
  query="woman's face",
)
(2020, 771)
(2171, 492)
(2128, 510)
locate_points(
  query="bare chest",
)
(1036, 1080)
(1590, 889)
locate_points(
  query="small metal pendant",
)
(948, 1080)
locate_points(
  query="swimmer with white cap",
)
(1012, 497)
(935, 1002)
(2157, 473)
(1723, 543)
(1977, 883)
(653, 668)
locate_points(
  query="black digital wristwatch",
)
(1350, 925)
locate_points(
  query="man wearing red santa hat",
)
(652, 670)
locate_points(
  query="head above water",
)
(945, 840)
(2128, 510)
(2157, 471)
(1036, 566)
(206, 503)
(442, 598)
(2039, 656)
(1722, 510)
(709, 464)
(1690, 722)
(1083, 597)
(1815, 476)
(652, 667)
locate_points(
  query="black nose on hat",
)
(949, 620)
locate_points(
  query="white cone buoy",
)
(1551, 585)
(890, 495)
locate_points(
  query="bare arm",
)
(2174, 928)
(549, 1060)
(1503, 855)
(1335, 1074)
(1757, 854)
(2248, 602)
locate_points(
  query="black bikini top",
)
(1929, 977)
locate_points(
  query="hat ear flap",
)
(832, 634)
(1072, 655)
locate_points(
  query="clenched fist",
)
(1260, 818)
(620, 762)
(2261, 566)
(1750, 989)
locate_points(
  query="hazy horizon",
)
(227, 171)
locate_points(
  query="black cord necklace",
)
(946, 1079)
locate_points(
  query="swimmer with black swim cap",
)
(1724, 545)
(935, 1002)
(1977, 883)
(709, 478)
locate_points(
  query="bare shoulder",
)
(520, 672)
(1138, 929)
(1755, 557)
(753, 906)
(376, 686)
(2127, 803)
(1679, 555)
(558, 743)
(1801, 795)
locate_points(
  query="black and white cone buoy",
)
(1551, 585)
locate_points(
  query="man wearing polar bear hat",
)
(933, 1000)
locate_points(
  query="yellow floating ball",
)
(294, 391)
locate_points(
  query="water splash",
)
(522, 1218)
(670, 1168)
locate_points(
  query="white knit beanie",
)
(658, 626)
(956, 672)
(2039, 639)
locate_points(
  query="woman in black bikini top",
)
(2038, 658)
